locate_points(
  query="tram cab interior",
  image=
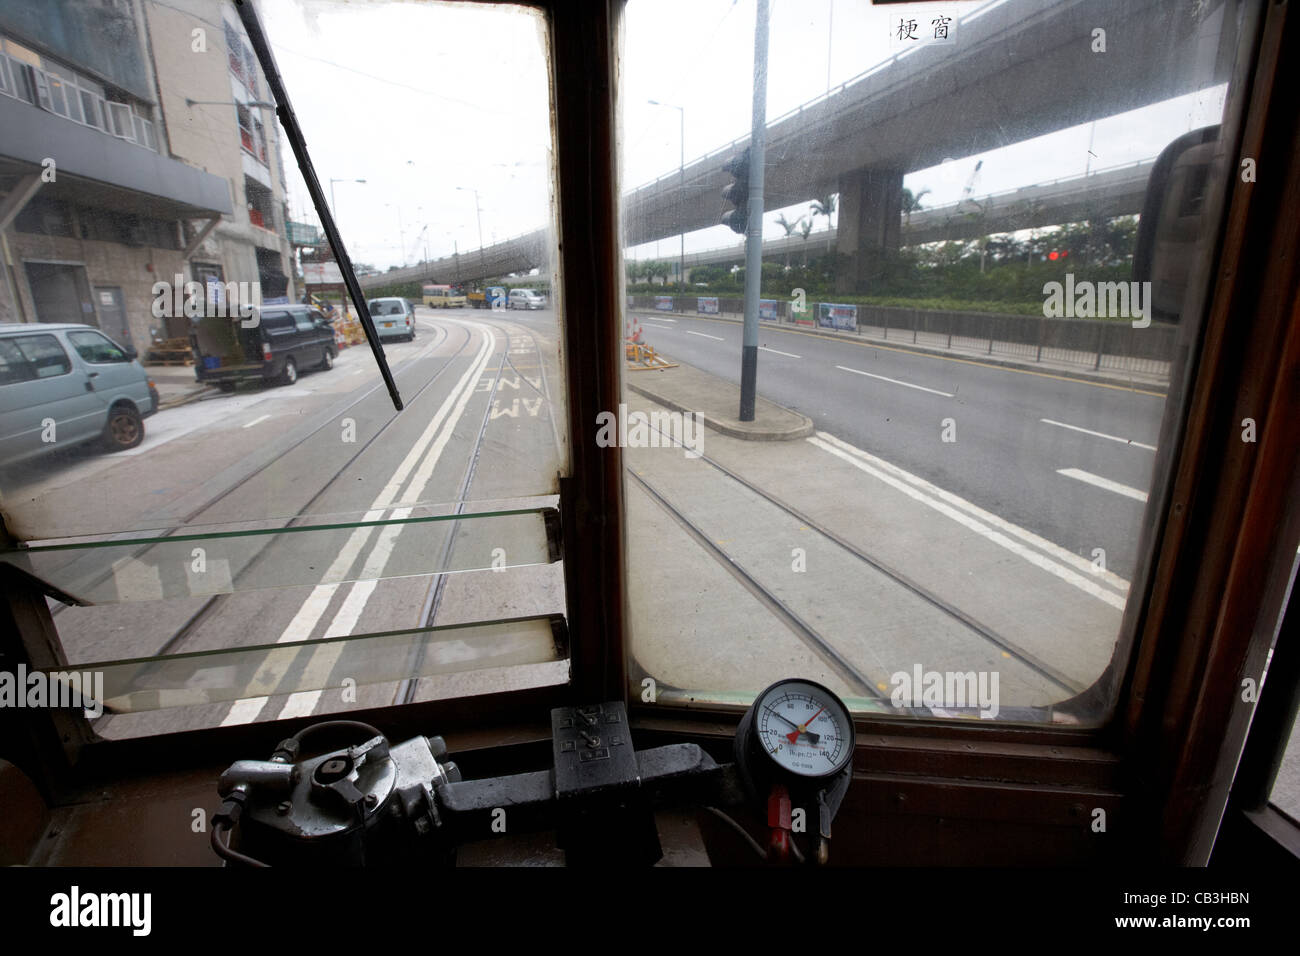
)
(1166, 752)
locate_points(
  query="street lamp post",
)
(681, 189)
(334, 211)
(401, 231)
(479, 212)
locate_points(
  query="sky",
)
(430, 102)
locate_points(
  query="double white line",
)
(430, 446)
(1050, 557)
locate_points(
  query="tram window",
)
(277, 498)
(936, 507)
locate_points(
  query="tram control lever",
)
(378, 804)
(375, 803)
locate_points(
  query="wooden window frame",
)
(1161, 768)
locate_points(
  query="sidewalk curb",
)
(1078, 375)
(803, 430)
(193, 395)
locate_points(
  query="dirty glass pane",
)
(243, 479)
(934, 500)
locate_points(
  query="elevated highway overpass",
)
(1022, 69)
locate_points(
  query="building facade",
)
(130, 157)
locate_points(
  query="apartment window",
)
(45, 217)
(41, 83)
(251, 135)
(21, 74)
(122, 121)
(144, 134)
(57, 94)
(261, 209)
(259, 140)
(6, 85)
(66, 96)
(235, 51)
(250, 70)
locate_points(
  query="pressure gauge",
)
(797, 732)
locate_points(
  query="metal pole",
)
(401, 235)
(681, 195)
(754, 234)
(478, 212)
(830, 33)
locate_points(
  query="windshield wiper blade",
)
(293, 133)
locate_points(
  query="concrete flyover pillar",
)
(868, 232)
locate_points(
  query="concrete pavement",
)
(888, 569)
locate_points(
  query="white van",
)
(64, 384)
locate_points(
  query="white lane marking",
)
(705, 335)
(304, 622)
(261, 418)
(325, 656)
(662, 318)
(987, 517)
(653, 326)
(1033, 557)
(895, 381)
(764, 348)
(1089, 431)
(1081, 475)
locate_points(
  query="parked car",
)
(65, 384)
(273, 344)
(526, 299)
(394, 318)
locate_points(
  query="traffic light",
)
(737, 220)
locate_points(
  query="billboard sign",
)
(842, 317)
(321, 273)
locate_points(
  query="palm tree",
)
(911, 204)
(804, 231)
(824, 206)
(790, 228)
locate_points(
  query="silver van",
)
(526, 299)
(64, 384)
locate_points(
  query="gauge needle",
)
(792, 737)
(803, 728)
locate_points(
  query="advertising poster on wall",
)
(842, 317)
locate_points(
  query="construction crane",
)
(969, 191)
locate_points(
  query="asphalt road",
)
(477, 427)
(485, 421)
(1015, 432)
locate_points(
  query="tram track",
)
(194, 513)
(805, 631)
(209, 607)
(406, 689)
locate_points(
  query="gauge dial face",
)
(804, 728)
